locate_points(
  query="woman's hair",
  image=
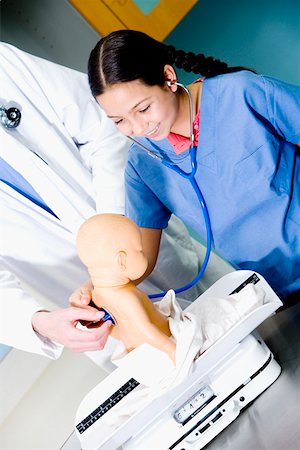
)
(128, 55)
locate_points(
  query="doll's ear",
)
(122, 257)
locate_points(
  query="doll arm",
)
(155, 337)
(140, 327)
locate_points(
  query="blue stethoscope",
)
(190, 176)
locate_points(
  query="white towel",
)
(218, 315)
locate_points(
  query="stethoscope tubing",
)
(191, 177)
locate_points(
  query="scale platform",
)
(226, 377)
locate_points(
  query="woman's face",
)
(140, 110)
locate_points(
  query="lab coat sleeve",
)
(16, 310)
(104, 153)
(102, 148)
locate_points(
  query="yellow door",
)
(154, 17)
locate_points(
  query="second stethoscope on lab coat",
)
(9, 118)
(190, 176)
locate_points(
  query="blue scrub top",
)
(248, 172)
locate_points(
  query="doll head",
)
(110, 245)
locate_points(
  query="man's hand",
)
(60, 326)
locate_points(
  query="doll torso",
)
(135, 316)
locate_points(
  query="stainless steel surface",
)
(272, 422)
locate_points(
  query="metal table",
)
(272, 422)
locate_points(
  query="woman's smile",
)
(153, 133)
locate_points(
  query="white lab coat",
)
(79, 171)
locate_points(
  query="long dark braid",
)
(199, 64)
(128, 55)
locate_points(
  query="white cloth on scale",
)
(193, 333)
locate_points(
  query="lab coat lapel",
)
(70, 207)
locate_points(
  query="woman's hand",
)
(82, 296)
(61, 327)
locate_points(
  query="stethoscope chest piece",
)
(107, 316)
(10, 118)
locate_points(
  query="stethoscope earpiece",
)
(172, 83)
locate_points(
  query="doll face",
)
(140, 110)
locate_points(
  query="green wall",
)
(261, 34)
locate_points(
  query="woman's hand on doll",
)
(82, 295)
(82, 298)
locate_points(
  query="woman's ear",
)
(170, 77)
(122, 259)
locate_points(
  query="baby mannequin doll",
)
(110, 246)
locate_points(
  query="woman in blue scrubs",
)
(247, 132)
